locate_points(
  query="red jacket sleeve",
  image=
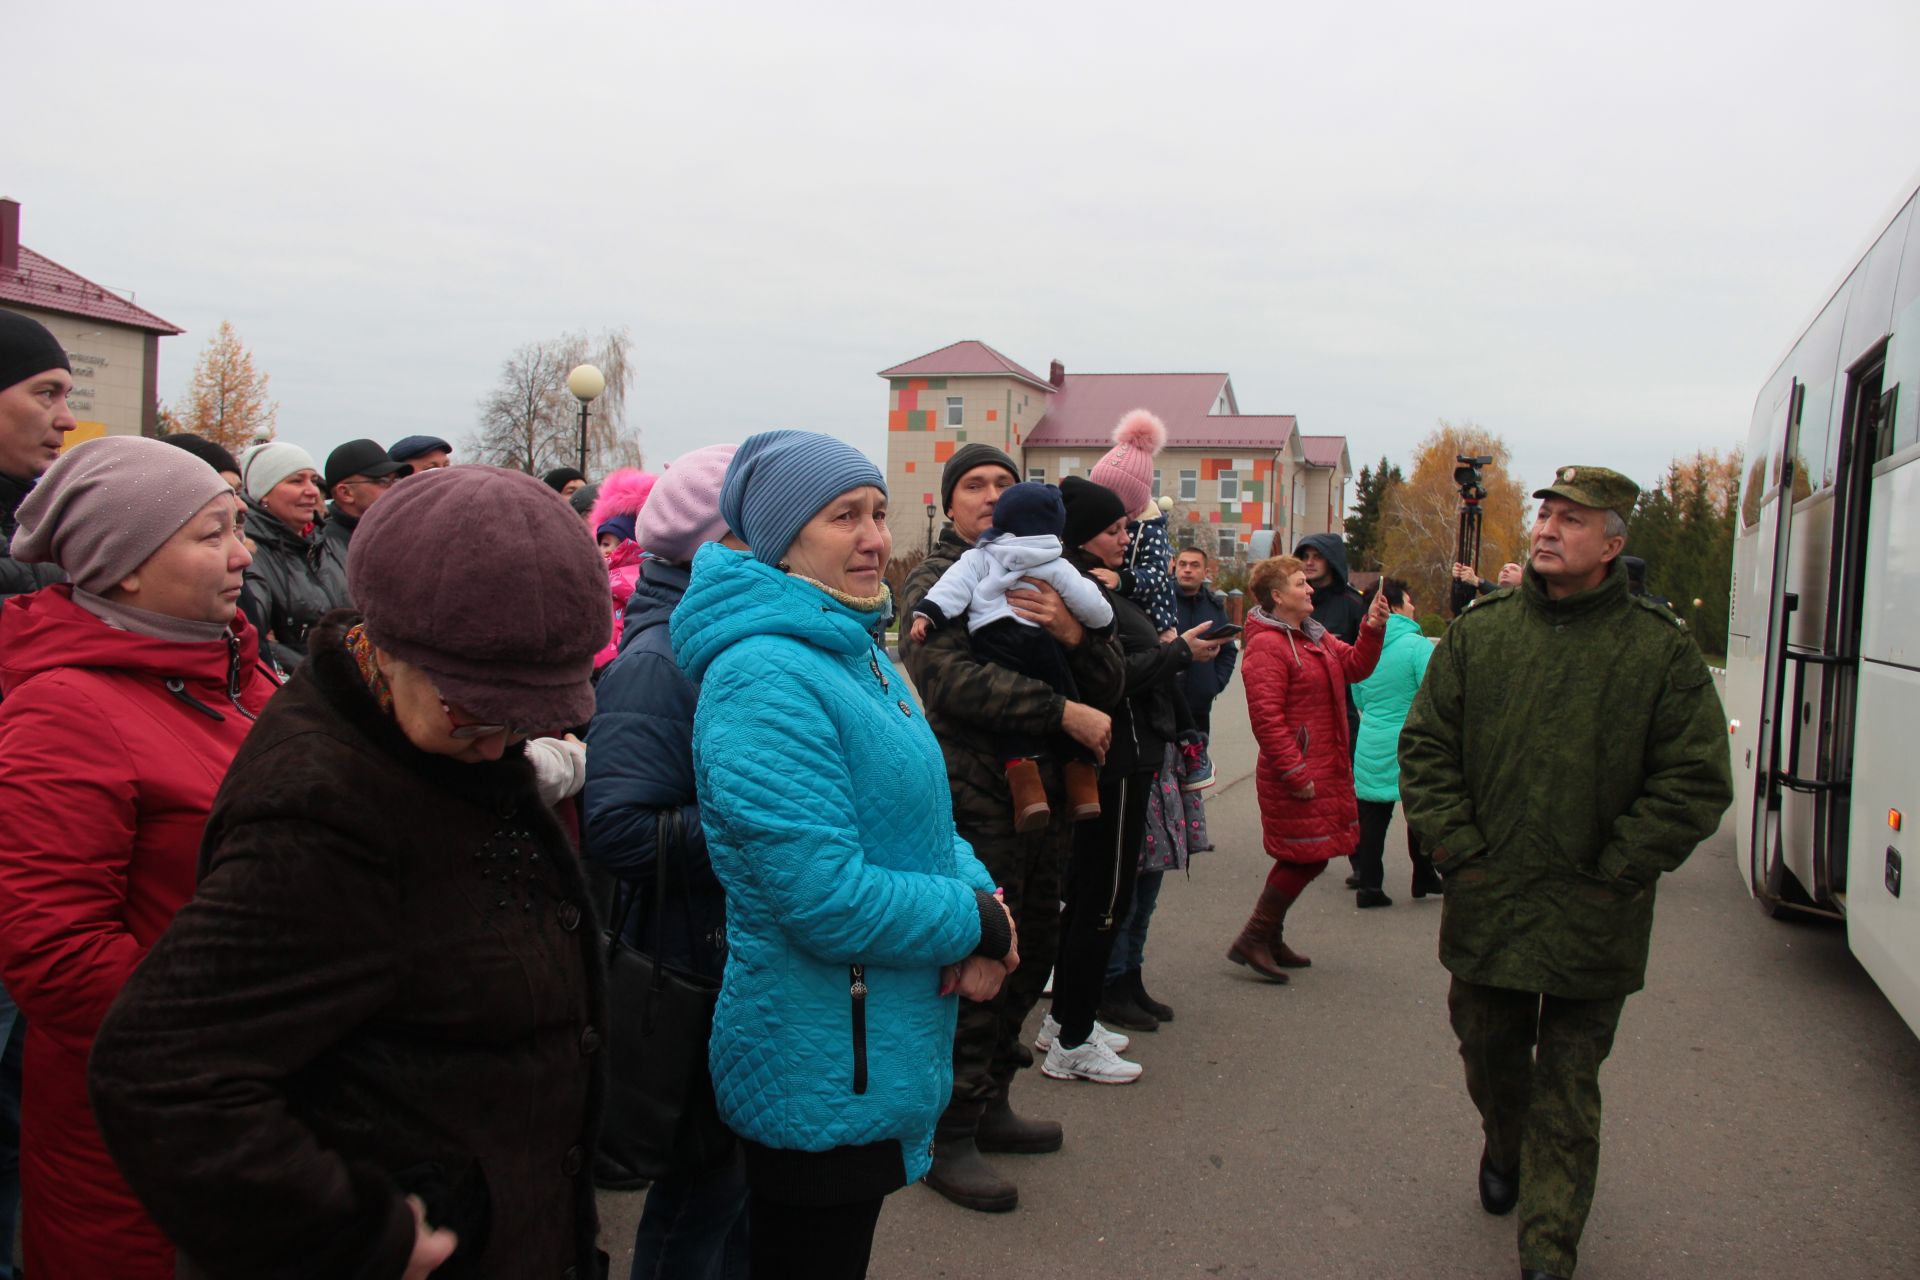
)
(1357, 660)
(1268, 672)
(71, 803)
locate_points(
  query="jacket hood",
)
(731, 597)
(1332, 547)
(47, 631)
(1021, 551)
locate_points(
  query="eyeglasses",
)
(380, 482)
(464, 731)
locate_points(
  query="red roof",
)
(1084, 412)
(43, 283)
(963, 359)
(1323, 451)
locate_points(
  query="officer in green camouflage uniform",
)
(1565, 749)
(971, 705)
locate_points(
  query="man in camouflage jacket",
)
(972, 705)
(1565, 749)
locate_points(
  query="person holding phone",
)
(1195, 601)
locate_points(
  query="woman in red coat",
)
(1296, 674)
(125, 694)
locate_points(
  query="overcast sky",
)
(1592, 229)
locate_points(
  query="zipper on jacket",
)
(857, 989)
(178, 688)
(233, 677)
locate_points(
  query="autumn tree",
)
(1369, 501)
(1420, 517)
(1683, 528)
(227, 399)
(530, 421)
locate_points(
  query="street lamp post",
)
(932, 511)
(586, 383)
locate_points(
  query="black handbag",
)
(660, 1118)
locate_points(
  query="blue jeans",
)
(13, 1038)
(694, 1228)
(1130, 942)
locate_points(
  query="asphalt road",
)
(1762, 1105)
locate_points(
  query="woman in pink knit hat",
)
(615, 517)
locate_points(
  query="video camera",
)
(1467, 476)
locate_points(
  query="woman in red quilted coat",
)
(1296, 674)
(126, 694)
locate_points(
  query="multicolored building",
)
(114, 346)
(1228, 474)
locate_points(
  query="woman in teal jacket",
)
(1384, 699)
(853, 906)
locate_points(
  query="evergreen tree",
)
(1363, 526)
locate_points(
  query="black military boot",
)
(1499, 1192)
(1426, 881)
(960, 1172)
(1004, 1129)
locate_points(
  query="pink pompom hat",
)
(1127, 468)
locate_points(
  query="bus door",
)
(1766, 863)
(1864, 440)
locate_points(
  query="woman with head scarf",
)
(1297, 672)
(368, 1046)
(853, 907)
(126, 694)
(292, 582)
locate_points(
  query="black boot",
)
(1164, 1012)
(1499, 1192)
(1118, 1009)
(960, 1172)
(1366, 897)
(1426, 881)
(1534, 1273)
(1004, 1129)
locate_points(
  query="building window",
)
(1189, 485)
(1156, 482)
(1068, 466)
(1037, 474)
(953, 411)
(1229, 486)
(1229, 543)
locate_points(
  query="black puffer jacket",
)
(1146, 719)
(1336, 606)
(17, 579)
(291, 583)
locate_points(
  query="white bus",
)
(1823, 662)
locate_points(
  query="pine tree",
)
(1363, 526)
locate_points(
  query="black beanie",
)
(27, 348)
(558, 478)
(965, 459)
(1090, 509)
(204, 449)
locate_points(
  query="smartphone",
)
(1225, 631)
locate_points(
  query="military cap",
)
(1593, 487)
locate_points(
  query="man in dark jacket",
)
(1195, 601)
(1336, 606)
(1550, 862)
(35, 379)
(971, 704)
(357, 473)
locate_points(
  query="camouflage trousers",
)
(1533, 1070)
(986, 1044)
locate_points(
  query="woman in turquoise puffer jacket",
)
(1384, 698)
(853, 906)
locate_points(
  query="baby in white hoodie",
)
(1024, 542)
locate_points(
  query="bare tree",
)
(530, 420)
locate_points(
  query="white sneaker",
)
(1048, 989)
(1050, 1031)
(1091, 1061)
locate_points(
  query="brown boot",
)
(1250, 948)
(1083, 789)
(1283, 955)
(1030, 809)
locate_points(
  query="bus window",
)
(1903, 353)
(1816, 362)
